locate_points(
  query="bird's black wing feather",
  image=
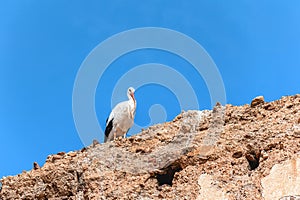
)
(108, 127)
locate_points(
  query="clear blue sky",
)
(255, 44)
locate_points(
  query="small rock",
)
(257, 100)
(95, 142)
(264, 155)
(49, 158)
(36, 166)
(178, 117)
(83, 149)
(203, 126)
(72, 154)
(218, 104)
(296, 131)
(281, 146)
(270, 146)
(61, 153)
(269, 106)
(202, 159)
(217, 107)
(249, 146)
(237, 154)
(247, 136)
(56, 157)
(85, 166)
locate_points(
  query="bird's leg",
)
(115, 134)
(126, 133)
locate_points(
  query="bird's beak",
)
(132, 95)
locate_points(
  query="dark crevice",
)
(80, 181)
(78, 177)
(167, 176)
(253, 158)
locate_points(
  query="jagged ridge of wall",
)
(231, 152)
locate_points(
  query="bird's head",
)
(130, 92)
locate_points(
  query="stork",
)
(121, 118)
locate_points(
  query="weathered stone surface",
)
(209, 190)
(283, 180)
(198, 155)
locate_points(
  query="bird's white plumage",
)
(121, 117)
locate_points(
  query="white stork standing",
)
(121, 117)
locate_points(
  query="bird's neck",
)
(132, 104)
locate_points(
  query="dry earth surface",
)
(231, 152)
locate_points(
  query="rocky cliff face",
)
(231, 152)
